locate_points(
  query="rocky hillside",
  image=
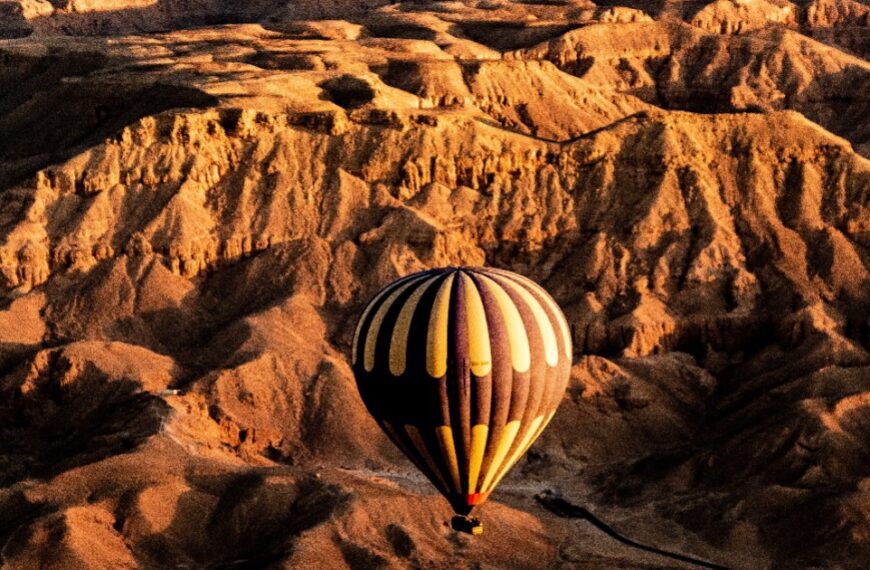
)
(196, 201)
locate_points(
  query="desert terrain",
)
(198, 197)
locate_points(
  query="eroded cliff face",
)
(190, 223)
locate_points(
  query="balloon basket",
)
(468, 525)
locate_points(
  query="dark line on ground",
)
(562, 508)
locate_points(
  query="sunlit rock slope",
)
(196, 201)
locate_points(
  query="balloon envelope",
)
(462, 368)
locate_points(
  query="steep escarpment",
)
(466, 192)
(676, 66)
(721, 56)
(191, 221)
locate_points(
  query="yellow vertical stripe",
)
(531, 442)
(528, 439)
(516, 330)
(544, 425)
(551, 303)
(479, 435)
(399, 341)
(448, 449)
(369, 308)
(417, 439)
(508, 434)
(478, 331)
(436, 335)
(551, 349)
(560, 320)
(378, 320)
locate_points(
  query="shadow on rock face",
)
(402, 543)
(401, 30)
(159, 16)
(361, 558)
(16, 513)
(58, 421)
(506, 36)
(51, 109)
(251, 521)
(348, 92)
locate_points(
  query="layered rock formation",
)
(191, 221)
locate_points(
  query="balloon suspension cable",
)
(466, 524)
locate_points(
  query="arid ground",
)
(197, 198)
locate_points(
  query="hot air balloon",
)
(462, 367)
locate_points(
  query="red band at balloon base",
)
(476, 498)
